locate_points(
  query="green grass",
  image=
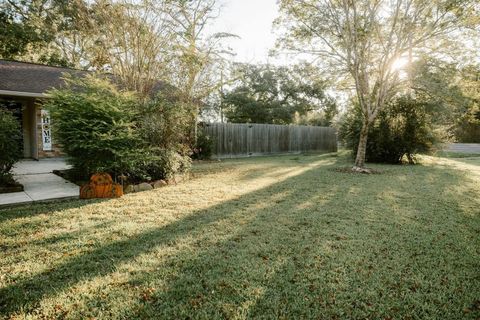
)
(449, 154)
(276, 237)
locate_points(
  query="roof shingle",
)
(30, 77)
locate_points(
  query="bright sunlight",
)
(400, 64)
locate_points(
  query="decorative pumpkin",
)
(87, 192)
(101, 179)
(101, 186)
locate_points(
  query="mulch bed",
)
(69, 175)
(16, 187)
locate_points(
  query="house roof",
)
(25, 79)
(30, 79)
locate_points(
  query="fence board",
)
(243, 140)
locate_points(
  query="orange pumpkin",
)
(87, 192)
(108, 191)
(101, 179)
(101, 186)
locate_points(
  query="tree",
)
(144, 43)
(363, 40)
(452, 91)
(199, 55)
(136, 42)
(14, 36)
(47, 31)
(468, 125)
(268, 94)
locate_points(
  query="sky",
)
(251, 20)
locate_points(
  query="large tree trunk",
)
(362, 148)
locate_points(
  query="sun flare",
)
(399, 64)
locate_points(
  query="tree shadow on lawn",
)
(319, 244)
(26, 294)
(29, 210)
(328, 256)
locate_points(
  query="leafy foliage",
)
(10, 151)
(47, 31)
(164, 121)
(453, 94)
(267, 94)
(14, 36)
(403, 128)
(467, 128)
(94, 122)
(203, 149)
(165, 126)
(103, 129)
(165, 164)
(359, 42)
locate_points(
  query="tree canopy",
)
(47, 31)
(268, 94)
(362, 41)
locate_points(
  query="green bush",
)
(103, 129)
(204, 147)
(10, 147)
(402, 129)
(467, 129)
(164, 121)
(95, 124)
(166, 164)
(165, 126)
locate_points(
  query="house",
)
(22, 90)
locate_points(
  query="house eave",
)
(21, 94)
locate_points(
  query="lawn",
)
(274, 237)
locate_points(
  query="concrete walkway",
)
(39, 183)
(473, 148)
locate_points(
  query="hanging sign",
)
(46, 131)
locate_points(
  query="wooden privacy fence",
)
(243, 140)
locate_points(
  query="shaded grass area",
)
(275, 237)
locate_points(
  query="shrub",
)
(103, 129)
(164, 121)
(402, 129)
(95, 124)
(467, 129)
(166, 164)
(10, 151)
(204, 147)
(165, 126)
